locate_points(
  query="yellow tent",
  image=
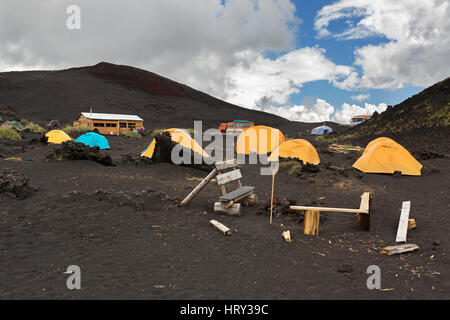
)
(259, 139)
(384, 155)
(57, 136)
(178, 136)
(150, 149)
(297, 148)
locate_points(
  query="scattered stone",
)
(437, 242)
(346, 268)
(15, 183)
(70, 150)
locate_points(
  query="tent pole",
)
(271, 200)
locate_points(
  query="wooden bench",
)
(229, 202)
(312, 215)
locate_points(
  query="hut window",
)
(131, 125)
(111, 125)
(123, 124)
(99, 124)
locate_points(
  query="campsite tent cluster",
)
(90, 139)
(382, 155)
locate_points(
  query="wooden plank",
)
(403, 223)
(198, 188)
(237, 194)
(402, 248)
(229, 176)
(363, 219)
(234, 210)
(306, 208)
(221, 165)
(222, 228)
(311, 223)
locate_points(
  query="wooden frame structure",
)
(312, 215)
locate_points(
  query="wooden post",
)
(271, 199)
(363, 219)
(311, 223)
(199, 188)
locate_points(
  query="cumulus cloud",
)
(361, 97)
(255, 78)
(347, 111)
(417, 48)
(320, 111)
(215, 46)
(194, 42)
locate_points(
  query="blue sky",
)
(340, 52)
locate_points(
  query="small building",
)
(358, 119)
(108, 123)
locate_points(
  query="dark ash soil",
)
(122, 226)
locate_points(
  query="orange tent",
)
(384, 155)
(297, 148)
(259, 139)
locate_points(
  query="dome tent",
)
(297, 148)
(93, 139)
(322, 130)
(384, 155)
(148, 152)
(57, 136)
(259, 139)
(178, 136)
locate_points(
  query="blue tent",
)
(322, 130)
(93, 139)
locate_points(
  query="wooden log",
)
(252, 199)
(198, 188)
(311, 223)
(411, 224)
(234, 210)
(221, 165)
(222, 228)
(402, 248)
(287, 236)
(403, 223)
(363, 219)
(228, 176)
(306, 208)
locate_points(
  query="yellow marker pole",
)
(271, 201)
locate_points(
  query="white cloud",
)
(361, 97)
(255, 78)
(418, 47)
(214, 46)
(347, 111)
(320, 111)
